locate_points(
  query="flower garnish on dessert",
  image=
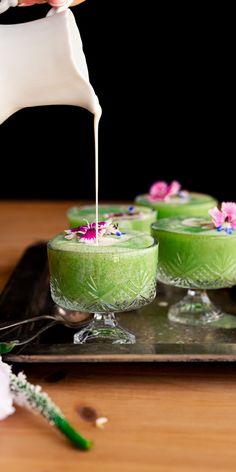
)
(162, 191)
(87, 233)
(225, 218)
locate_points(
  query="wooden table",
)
(161, 417)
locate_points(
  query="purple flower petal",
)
(89, 236)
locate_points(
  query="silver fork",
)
(68, 318)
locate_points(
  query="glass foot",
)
(104, 329)
(194, 309)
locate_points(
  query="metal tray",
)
(27, 294)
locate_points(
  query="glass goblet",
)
(129, 218)
(103, 279)
(185, 204)
(194, 255)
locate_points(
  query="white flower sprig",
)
(16, 389)
(6, 396)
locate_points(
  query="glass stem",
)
(104, 328)
(194, 309)
(108, 319)
(201, 294)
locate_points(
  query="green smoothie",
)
(193, 254)
(117, 275)
(135, 218)
(195, 204)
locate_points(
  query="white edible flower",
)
(6, 397)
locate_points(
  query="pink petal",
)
(90, 235)
(82, 229)
(218, 216)
(174, 188)
(229, 208)
(159, 190)
(101, 224)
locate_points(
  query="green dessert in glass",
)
(117, 274)
(170, 201)
(199, 254)
(128, 217)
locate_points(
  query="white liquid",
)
(97, 117)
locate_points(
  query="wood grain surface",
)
(162, 417)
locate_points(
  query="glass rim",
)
(206, 199)
(206, 235)
(107, 205)
(123, 251)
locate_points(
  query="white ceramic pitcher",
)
(42, 63)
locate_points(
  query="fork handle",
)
(37, 333)
(6, 347)
(28, 320)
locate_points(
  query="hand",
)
(5, 4)
(53, 3)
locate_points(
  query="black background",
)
(164, 76)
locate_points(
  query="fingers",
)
(60, 3)
(53, 3)
(77, 2)
(27, 3)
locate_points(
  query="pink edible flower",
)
(87, 233)
(225, 218)
(161, 191)
(229, 208)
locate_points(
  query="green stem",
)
(65, 427)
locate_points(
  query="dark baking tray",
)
(27, 294)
